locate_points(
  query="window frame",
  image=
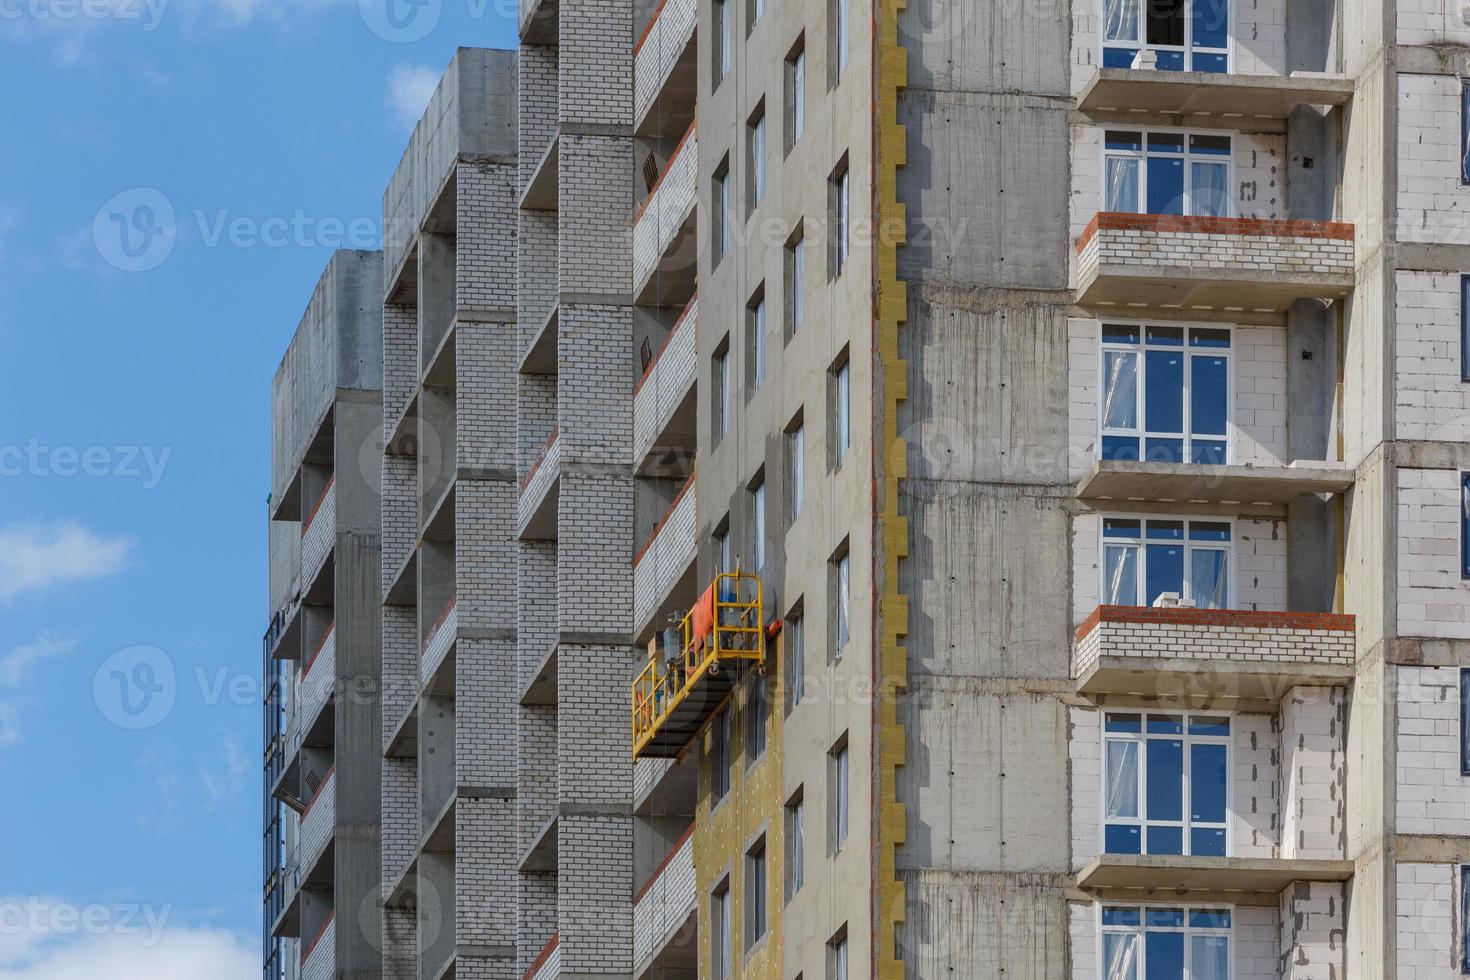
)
(795, 442)
(795, 651)
(1142, 568)
(723, 211)
(756, 322)
(757, 707)
(1465, 132)
(1187, 49)
(840, 184)
(840, 569)
(1185, 823)
(1142, 432)
(1465, 726)
(840, 790)
(758, 528)
(794, 281)
(1464, 525)
(1465, 327)
(841, 403)
(1142, 930)
(724, 48)
(839, 47)
(794, 828)
(757, 900)
(722, 953)
(795, 97)
(755, 157)
(721, 381)
(1464, 936)
(1142, 156)
(722, 736)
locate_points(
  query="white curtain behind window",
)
(1209, 197)
(1122, 175)
(1210, 958)
(1120, 956)
(1208, 578)
(1120, 20)
(1122, 780)
(1120, 396)
(1120, 566)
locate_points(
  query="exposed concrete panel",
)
(1311, 373)
(1311, 168)
(987, 386)
(978, 768)
(1010, 46)
(1311, 35)
(986, 189)
(987, 579)
(979, 925)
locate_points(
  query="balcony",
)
(438, 644)
(1206, 97)
(663, 572)
(664, 81)
(1237, 881)
(537, 507)
(1245, 489)
(663, 399)
(547, 964)
(319, 957)
(318, 535)
(1214, 657)
(663, 231)
(1240, 270)
(314, 691)
(663, 915)
(672, 697)
(317, 825)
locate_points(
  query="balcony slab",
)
(1234, 880)
(1123, 93)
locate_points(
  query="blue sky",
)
(134, 433)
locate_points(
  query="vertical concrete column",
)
(1313, 773)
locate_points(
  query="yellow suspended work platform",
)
(689, 674)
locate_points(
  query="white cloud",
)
(13, 665)
(60, 942)
(223, 776)
(409, 89)
(38, 556)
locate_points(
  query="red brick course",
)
(1217, 617)
(1120, 221)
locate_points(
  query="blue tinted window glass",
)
(1206, 530)
(1214, 63)
(1207, 783)
(1210, 918)
(1465, 724)
(1209, 726)
(1119, 139)
(1209, 337)
(1166, 336)
(1465, 526)
(1166, 840)
(1120, 447)
(1166, 142)
(1119, 57)
(1165, 725)
(1165, 571)
(1207, 452)
(1207, 842)
(1164, 919)
(1165, 787)
(1122, 839)
(1114, 915)
(1114, 527)
(1117, 333)
(1465, 133)
(1165, 185)
(1163, 396)
(1166, 530)
(1465, 328)
(1170, 61)
(1207, 395)
(1465, 915)
(1217, 146)
(1164, 451)
(1130, 724)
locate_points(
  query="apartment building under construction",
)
(906, 489)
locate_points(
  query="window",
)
(796, 93)
(719, 757)
(795, 844)
(755, 721)
(1165, 943)
(1465, 918)
(1146, 558)
(838, 795)
(724, 552)
(722, 215)
(1166, 173)
(795, 282)
(1165, 393)
(755, 343)
(1184, 35)
(839, 46)
(1465, 721)
(1166, 783)
(795, 475)
(724, 43)
(837, 955)
(755, 11)
(1465, 525)
(755, 893)
(755, 149)
(1465, 328)
(841, 411)
(721, 393)
(841, 601)
(719, 917)
(758, 523)
(795, 660)
(838, 222)
(1465, 132)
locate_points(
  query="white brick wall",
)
(1431, 402)
(321, 962)
(318, 824)
(1084, 751)
(668, 555)
(666, 38)
(320, 534)
(1427, 920)
(1188, 641)
(1433, 206)
(664, 906)
(1313, 782)
(1313, 920)
(1258, 364)
(1242, 255)
(1433, 600)
(664, 387)
(438, 643)
(1433, 798)
(1432, 22)
(670, 205)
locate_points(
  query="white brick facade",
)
(1433, 598)
(1226, 254)
(665, 904)
(1427, 921)
(1433, 206)
(666, 209)
(1432, 401)
(1433, 797)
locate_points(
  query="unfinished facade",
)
(931, 490)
